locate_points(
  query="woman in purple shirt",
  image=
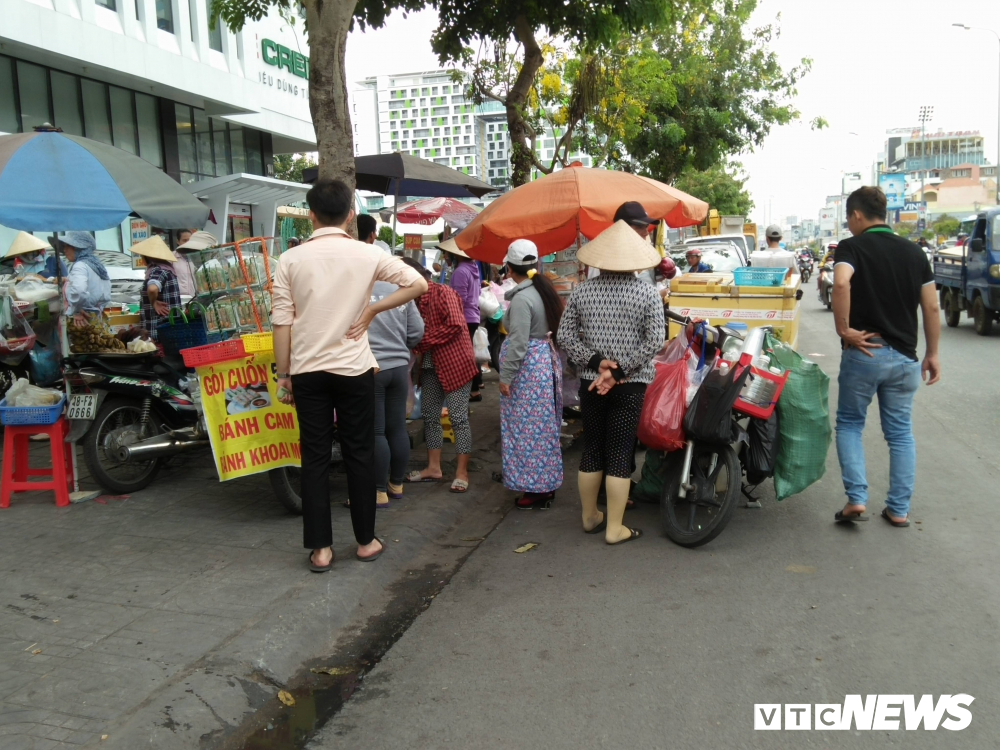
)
(466, 281)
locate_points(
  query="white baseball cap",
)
(522, 253)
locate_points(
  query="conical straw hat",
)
(154, 248)
(450, 246)
(619, 248)
(26, 243)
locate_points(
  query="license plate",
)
(83, 406)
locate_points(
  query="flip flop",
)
(841, 517)
(541, 501)
(319, 568)
(898, 524)
(634, 534)
(459, 486)
(600, 527)
(370, 558)
(414, 478)
(476, 399)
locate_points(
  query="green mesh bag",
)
(650, 485)
(804, 421)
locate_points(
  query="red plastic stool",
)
(15, 462)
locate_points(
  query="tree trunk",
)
(521, 155)
(329, 23)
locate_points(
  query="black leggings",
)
(477, 381)
(609, 426)
(392, 443)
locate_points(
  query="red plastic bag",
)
(661, 423)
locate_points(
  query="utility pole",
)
(996, 179)
(926, 115)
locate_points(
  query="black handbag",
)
(709, 418)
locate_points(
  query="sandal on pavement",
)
(599, 528)
(395, 491)
(459, 486)
(841, 517)
(476, 399)
(535, 501)
(372, 557)
(633, 534)
(414, 477)
(898, 524)
(319, 568)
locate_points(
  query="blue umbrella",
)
(53, 181)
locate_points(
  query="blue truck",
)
(968, 278)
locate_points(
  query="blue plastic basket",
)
(759, 276)
(14, 415)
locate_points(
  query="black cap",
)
(633, 213)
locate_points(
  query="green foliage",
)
(946, 226)
(367, 13)
(385, 234)
(906, 229)
(289, 167)
(721, 188)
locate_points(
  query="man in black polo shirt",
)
(880, 279)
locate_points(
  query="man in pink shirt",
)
(321, 312)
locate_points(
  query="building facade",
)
(153, 77)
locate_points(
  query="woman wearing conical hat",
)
(32, 257)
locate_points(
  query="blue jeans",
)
(895, 378)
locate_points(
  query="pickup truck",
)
(968, 278)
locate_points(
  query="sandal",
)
(459, 486)
(476, 399)
(898, 524)
(599, 528)
(633, 534)
(535, 500)
(394, 491)
(319, 568)
(370, 558)
(414, 477)
(841, 517)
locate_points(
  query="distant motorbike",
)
(806, 263)
(132, 413)
(824, 285)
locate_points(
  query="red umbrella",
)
(428, 210)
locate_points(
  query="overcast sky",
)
(875, 62)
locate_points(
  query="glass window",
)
(8, 107)
(165, 15)
(238, 151)
(220, 144)
(123, 119)
(148, 117)
(66, 103)
(33, 86)
(203, 139)
(255, 159)
(109, 4)
(214, 34)
(185, 139)
(95, 111)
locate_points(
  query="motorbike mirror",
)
(976, 245)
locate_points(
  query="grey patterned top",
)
(614, 316)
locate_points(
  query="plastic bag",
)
(16, 336)
(709, 417)
(34, 288)
(23, 393)
(43, 364)
(488, 304)
(481, 343)
(500, 290)
(761, 450)
(415, 412)
(804, 421)
(661, 422)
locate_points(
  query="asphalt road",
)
(577, 644)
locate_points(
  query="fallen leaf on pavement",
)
(800, 569)
(473, 538)
(331, 670)
(526, 547)
(36, 652)
(285, 697)
(103, 737)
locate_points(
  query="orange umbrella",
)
(551, 211)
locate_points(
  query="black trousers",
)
(477, 380)
(609, 426)
(317, 395)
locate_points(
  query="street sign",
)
(139, 229)
(413, 242)
(894, 187)
(920, 206)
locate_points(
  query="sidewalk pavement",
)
(168, 619)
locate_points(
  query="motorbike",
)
(806, 264)
(132, 413)
(824, 285)
(704, 481)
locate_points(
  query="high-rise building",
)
(926, 156)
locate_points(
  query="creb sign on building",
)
(294, 63)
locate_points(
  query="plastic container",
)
(761, 393)
(14, 415)
(748, 276)
(258, 342)
(211, 354)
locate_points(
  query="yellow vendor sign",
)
(250, 430)
(715, 297)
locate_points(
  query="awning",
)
(292, 212)
(251, 189)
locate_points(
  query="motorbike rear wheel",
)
(701, 516)
(119, 423)
(287, 485)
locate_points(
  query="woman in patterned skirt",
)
(530, 383)
(611, 328)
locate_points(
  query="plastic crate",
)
(756, 410)
(258, 342)
(759, 276)
(210, 354)
(14, 415)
